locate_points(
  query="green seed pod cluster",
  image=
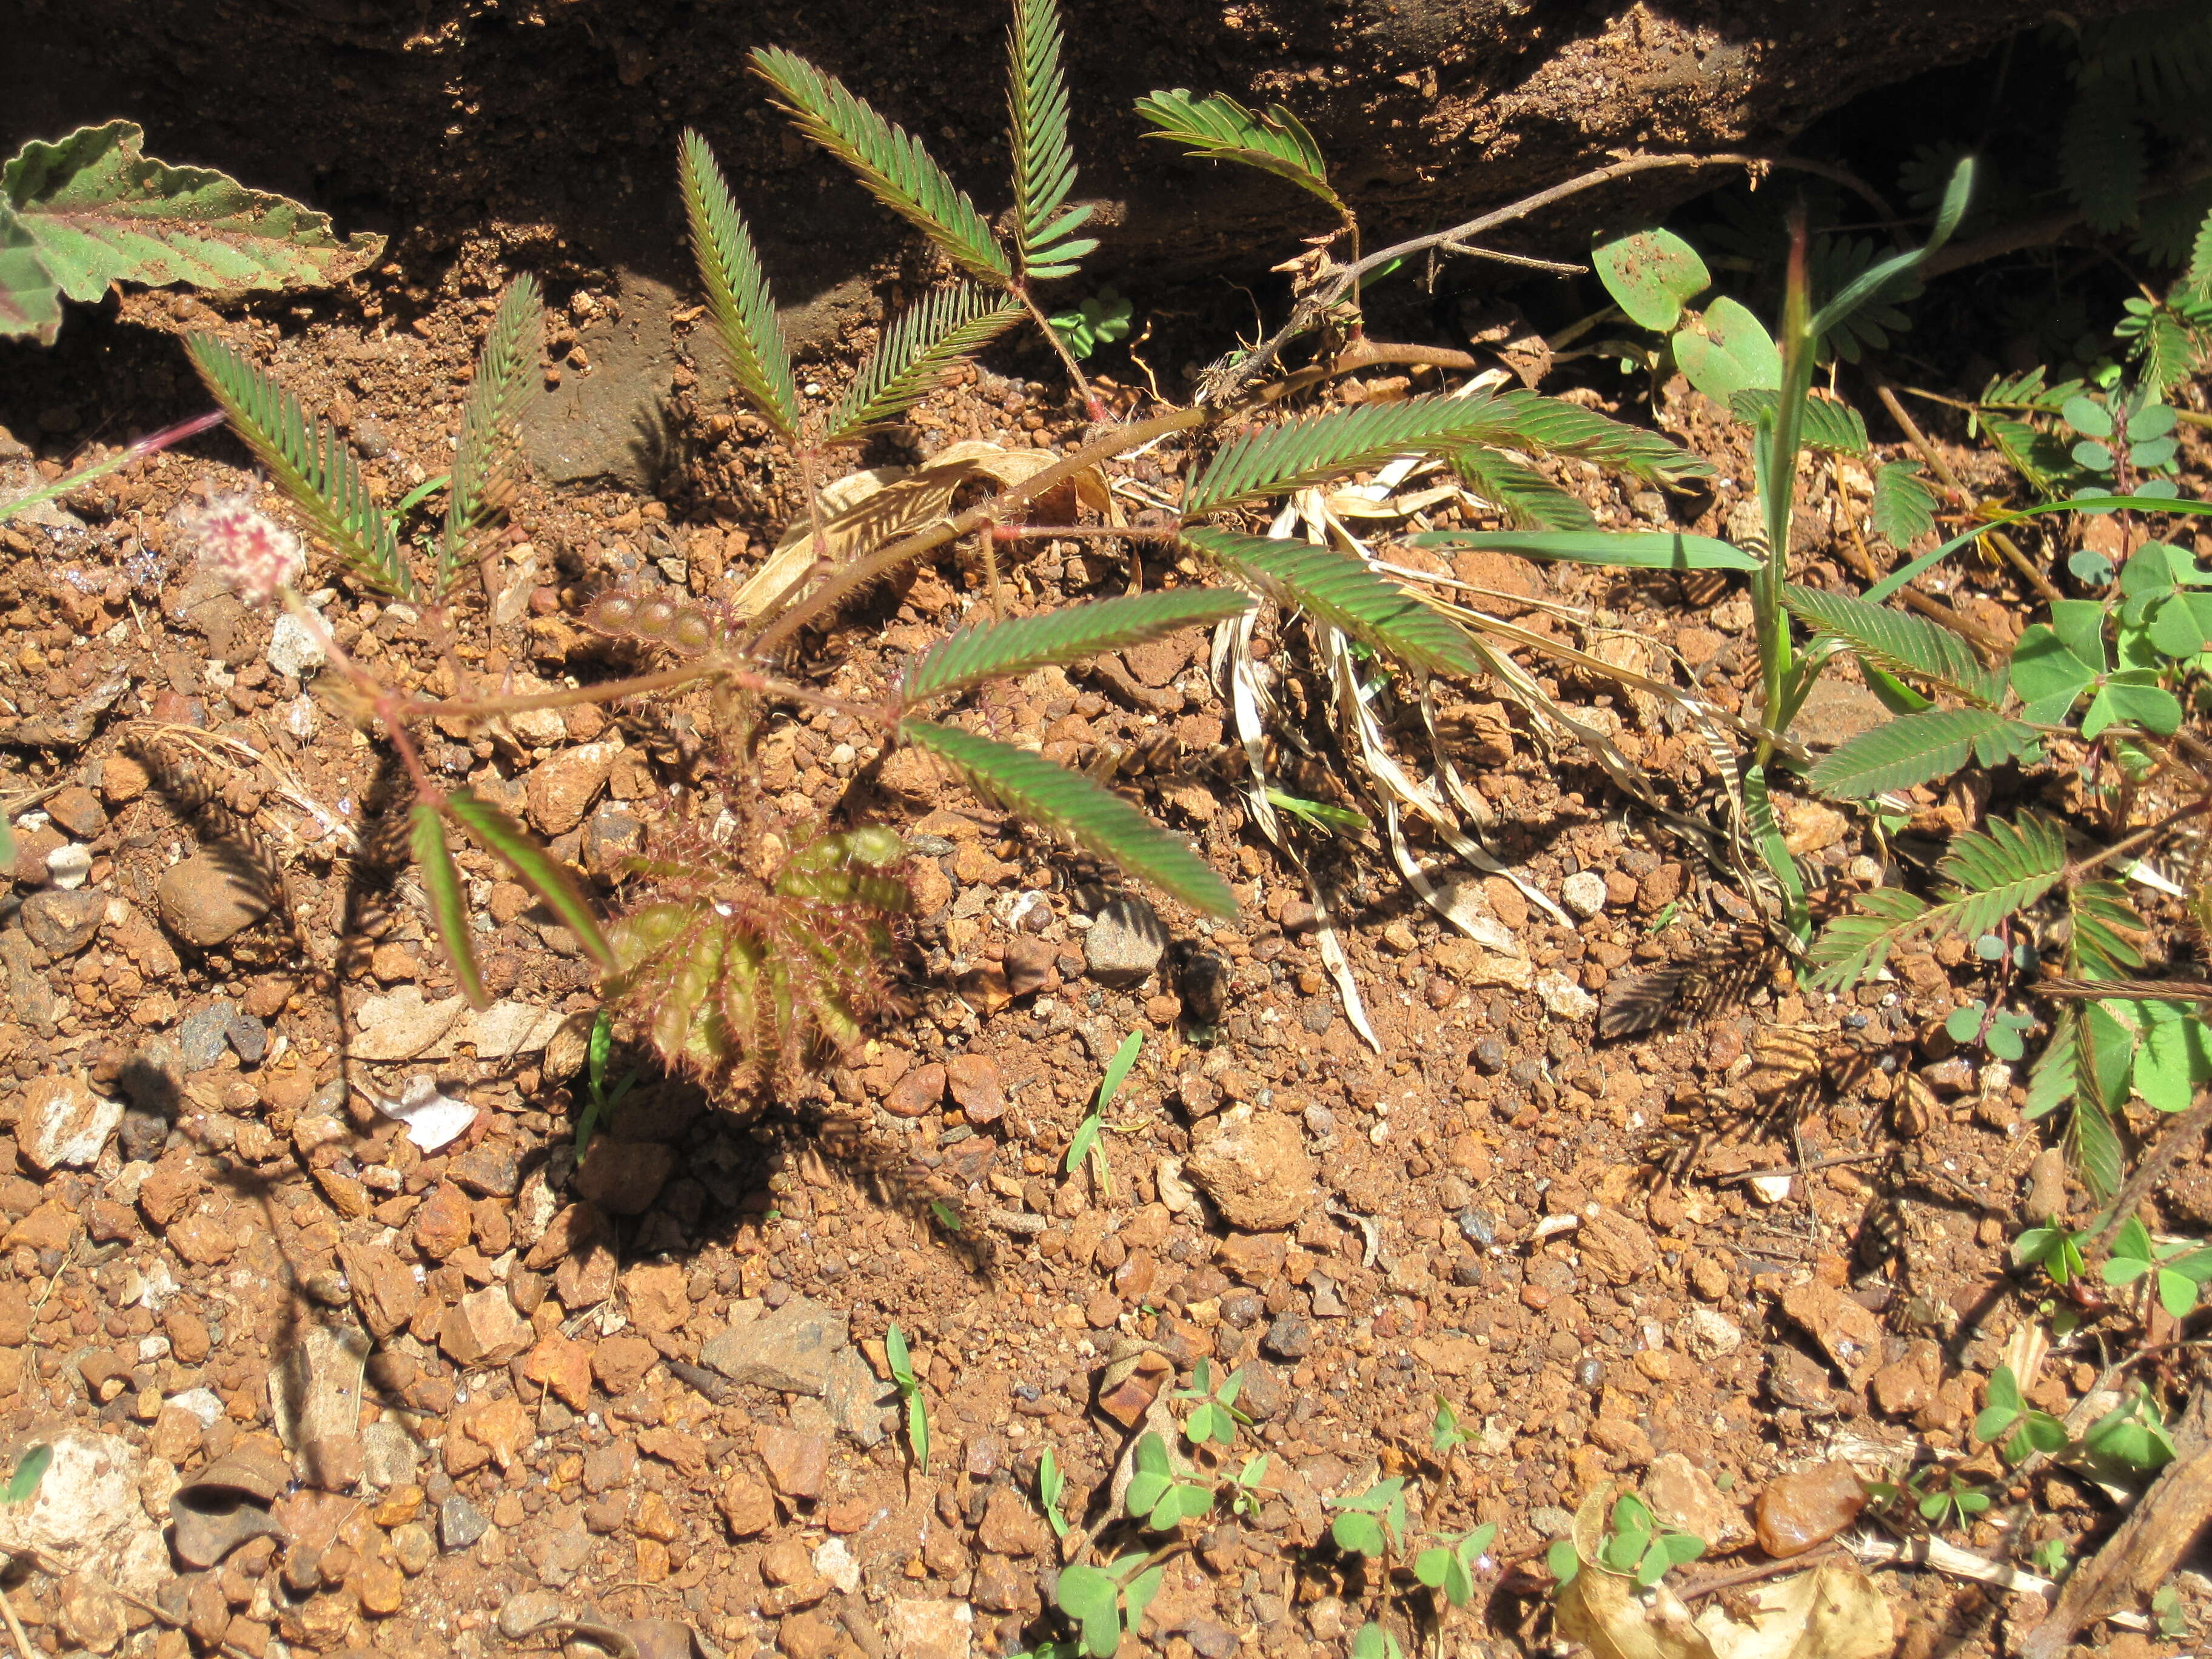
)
(656, 617)
(738, 981)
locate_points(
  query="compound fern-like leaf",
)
(1342, 591)
(952, 325)
(1999, 871)
(1851, 949)
(538, 869)
(889, 160)
(1044, 161)
(1071, 804)
(737, 289)
(1903, 503)
(1914, 749)
(1898, 643)
(1529, 499)
(2101, 158)
(1830, 426)
(1294, 454)
(491, 441)
(313, 468)
(449, 910)
(1218, 127)
(2197, 274)
(975, 655)
(1529, 420)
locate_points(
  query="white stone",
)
(1708, 1334)
(203, 1403)
(1565, 998)
(1583, 893)
(296, 649)
(64, 1122)
(432, 1119)
(86, 1516)
(68, 866)
(931, 1629)
(834, 1562)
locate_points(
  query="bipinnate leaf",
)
(490, 440)
(1044, 161)
(1529, 499)
(948, 328)
(889, 160)
(449, 910)
(313, 468)
(1851, 949)
(2101, 160)
(95, 208)
(1218, 127)
(1649, 274)
(1827, 424)
(2000, 869)
(737, 289)
(2197, 274)
(536, 869)
(1903, 503)
(1633, 549)
(1340, 589)
(1071, 804)
(993, 651)
(1898, 643)
(1290, 454)
(1551, 426)
(1914, 749)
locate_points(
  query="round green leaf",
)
(2152, 453)
(1649, 274)
(2093, 455)
(2086, 417)
(1726, 351)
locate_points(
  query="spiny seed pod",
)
(740, 980)
(655, 619)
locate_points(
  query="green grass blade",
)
(1219, 128)
(993, 651)
(1072, 805)
(1117, 1072)
(1911, 648)
(1045, 160)
(539, 871)
(737, 289)
(889, 160)
(316, 471)
(490, 442)
(1634, 549)
(1340, 589)
(449, 910)
(30, 1470)
(950, 326)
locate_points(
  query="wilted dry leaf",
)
(1606, 1613)
(1830, 1613)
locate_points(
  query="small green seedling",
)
(2176, 1269)
(1373, 1641)
(1445, 1434)
(1244, 1490)
(1216, 1417)
(1104, 1601)
(2010, 1423)
(1099, 320)
(2050, 1557)
(1085, 1144)
(1637, 1546)
(1159, 1497)
(1955, 1504)
(2166, 1610)
(909, 1391)
(603, 1100)
(1373, 1522)
(2002, 1031)
(1051, 1483)
(1449, 1566)
(1341, 820)
(2132, 1437)
(2057, 1249)
(30, 1470)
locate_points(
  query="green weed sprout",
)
(2007, 1422)
(2176, 1270)
(1159, 1497)
(1104, 1601)
(1371, 1523)
(2057, 1249)
(1085, 1144)
(1449, 1566)
(909, 1392)
(1445, 1434)
(1099, 320)
(1051, 1483)
(1216, 1417)
(603, 1100)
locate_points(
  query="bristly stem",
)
(1093, 405)
(856, 576)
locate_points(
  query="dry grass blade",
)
(449, 910)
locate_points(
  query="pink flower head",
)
(253, 555)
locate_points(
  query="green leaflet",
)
(1726, 351)
(896, 170)
(1851, 949)
(1650, 274)
(737, 289)
(490, 440)
(1529, 420)
(316, 471)
(1218, 127)
(1915, 750)
(994, 650)
(951, 325)
(1529, 499)
(2100, 157)
(1828, 425)
(1998, 870)
(93, 209)
(1044, 162)
(1292, 454)
(1072, 805)
(1898, 643)
(30, 1470)
(1635, 549)
(449, 910)
(1903, 503)
(1340, 589)
(538, 870)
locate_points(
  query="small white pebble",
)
(1583, 893)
